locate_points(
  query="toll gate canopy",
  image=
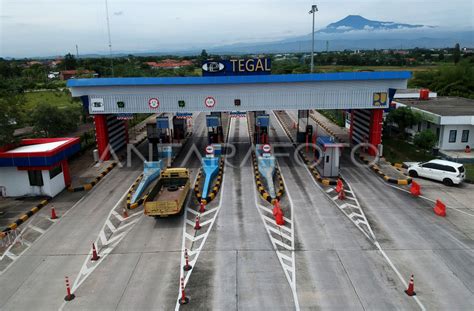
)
(348, 90)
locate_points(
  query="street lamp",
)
(314, 9)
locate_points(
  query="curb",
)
(96, 180)
(23, 218)
(130, 192)
(314, 171)
(261, 189)
(215, 188)
(387, 178)
(329, 131)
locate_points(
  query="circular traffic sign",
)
(209, 149)
(209, 101)
(266, 148)
(153, 103)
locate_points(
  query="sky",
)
(54, 27)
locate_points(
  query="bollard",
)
(187, 266)
(342, 194)
(183, 300)
(69, 296)
(124, 213)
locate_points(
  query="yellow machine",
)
(169, 193)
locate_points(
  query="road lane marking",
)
(373, 239)
(202, 236)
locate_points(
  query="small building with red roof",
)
(170, 64)
(36, 167)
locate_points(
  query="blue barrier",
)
(151, 171)
(266, 167)
(210, 168)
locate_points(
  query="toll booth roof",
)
(327, 142)
(39, 152)
(339, 76)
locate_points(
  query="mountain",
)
(357, 23)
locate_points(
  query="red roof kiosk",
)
(36, 167)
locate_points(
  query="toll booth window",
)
(36, 178)
(121, 104)
(237, 102)
(55, 171)
(181, 103)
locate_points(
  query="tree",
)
(11, 107)
(425, 139)
(457, 53)
(204, 54)
(53, 121)
(404, 117)
(69, 62)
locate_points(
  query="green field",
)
(56, 98)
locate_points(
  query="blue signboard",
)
(163, 122)
(263, 121)
(212, 121)
(237, 67)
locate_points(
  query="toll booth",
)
(180, 128)
(158, 133)
(328, 154)
(304, 131)
(262, 124)
(213, 124)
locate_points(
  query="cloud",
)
(118, 13)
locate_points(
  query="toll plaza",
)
(365, 94)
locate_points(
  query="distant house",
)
(69, 74)
(55, 63)
(32, 63)
(169, 64)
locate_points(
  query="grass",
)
(469, 170)
(56, 98)
(398, 151)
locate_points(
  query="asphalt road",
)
(438, 251)
(337, 267)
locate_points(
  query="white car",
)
(450, 173)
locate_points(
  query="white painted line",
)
(330, 190)
(276, 241)
(187, 274)
(110, 225)
(280, 233)
(11, 255)
(37, 229)
(430, 200)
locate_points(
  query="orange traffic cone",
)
(278, 213)
(94, 257)
(415, 188)
(294, 125)
(410, 291)
(125, 213)
(339, 185)
(202, 207)
(197, 226)
(440, 208)
(342, 194)
(53, 213)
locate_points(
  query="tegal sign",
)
(236, 67)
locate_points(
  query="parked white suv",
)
(446, 171)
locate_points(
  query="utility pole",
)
(110, 40)
(314, 9)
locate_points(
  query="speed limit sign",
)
(153, 103)
(209, 149)
(210, 101)
(266, 148)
